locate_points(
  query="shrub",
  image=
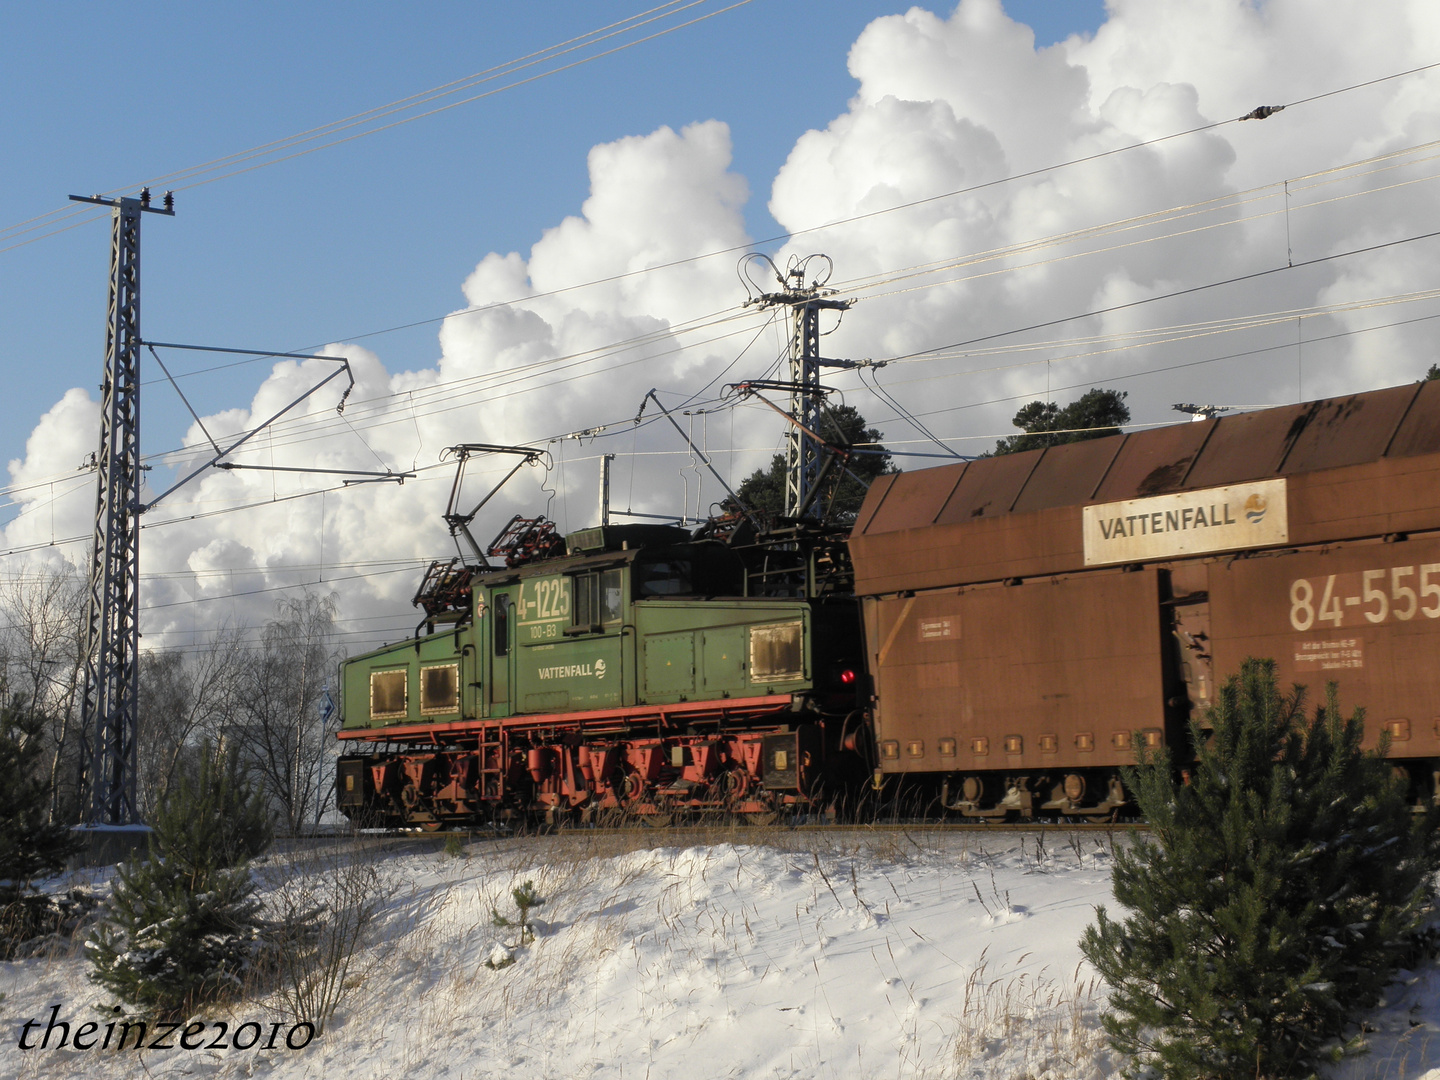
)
(1275, 893)
(323, 910)
(31, 846)
(183, 926)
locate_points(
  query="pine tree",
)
(183, 926)
(1093, 415)
(1275, 894)
(30, 845)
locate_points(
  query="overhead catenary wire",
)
(1242, 321)
(1381, 157)
(1282, 347)
(1385, 162)
(1147, 338)
(1048, 323)
(1321, 173)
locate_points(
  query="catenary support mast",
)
(805, 299)
(108, 713)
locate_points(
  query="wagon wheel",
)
(731, 787)
(632, 793)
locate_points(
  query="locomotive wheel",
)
(657, 821)
(761, 817)
(431, 826)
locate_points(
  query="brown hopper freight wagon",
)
(1026, 614)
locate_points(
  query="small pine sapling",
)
(183, 926)
(1279, 887)
(525, 898)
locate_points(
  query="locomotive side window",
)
(598, 598)
(389, 694)
(612, 601)
(586, 610)
(777, 652)
(439, 689)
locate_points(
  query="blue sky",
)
(378, 232)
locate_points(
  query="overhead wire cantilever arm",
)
(460, 523)
(344, 369)
(749, 514)
(176, 385)
(329, 472)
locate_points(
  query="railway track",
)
(729, 831)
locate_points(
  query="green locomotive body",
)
(633, 672)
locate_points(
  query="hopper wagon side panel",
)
(1052, 673)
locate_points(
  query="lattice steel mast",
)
(108, 714)
(806, 301)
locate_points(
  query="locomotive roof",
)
(1383, 428)
(597, 559)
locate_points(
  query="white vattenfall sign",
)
(1190, 523)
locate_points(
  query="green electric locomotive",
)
(624, 670)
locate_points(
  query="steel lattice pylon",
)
(112, 638)
(802, 452)
(805, 300)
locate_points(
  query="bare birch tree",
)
(186, 698)
(277, 714)
(42, 628)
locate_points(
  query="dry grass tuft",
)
(1035, 1028)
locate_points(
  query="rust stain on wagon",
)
(1153, 462)
(1419, 432)
(1348, 431)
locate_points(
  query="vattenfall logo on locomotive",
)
(571, 671)
(1190, 523)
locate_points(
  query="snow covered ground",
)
(738, 954)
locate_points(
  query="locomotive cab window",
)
(389, 694)
(599, 599)
(439, 689)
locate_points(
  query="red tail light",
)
(847, 676)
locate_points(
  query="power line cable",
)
(521, 63)
(1255, 275)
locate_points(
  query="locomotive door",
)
(502, 652)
